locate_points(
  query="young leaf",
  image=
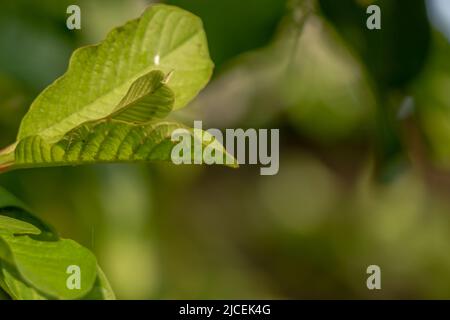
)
(148, 98)
(165, 38)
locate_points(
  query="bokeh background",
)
(364, 119)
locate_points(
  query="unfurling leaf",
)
(147, 99)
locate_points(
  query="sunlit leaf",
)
(108, 141)
(165, 38)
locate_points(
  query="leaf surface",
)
(107, 142)
(165, 38)
(34, 261)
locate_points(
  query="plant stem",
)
(7, 158)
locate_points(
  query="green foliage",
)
(236, 26)
(105, 142)
(164, 38)
(385, 50)
(394, 56)
(34, 260)
(109, 105)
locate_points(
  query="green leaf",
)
(12, 207)
(34, 261)
(10, 226)
(148, 98)
(43, 264)
(102, 289)
(4, 295)
(7, 200)
(165, 38)
(16, 287)
(108, 141)
(107, 106)
(5, 253)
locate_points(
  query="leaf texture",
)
(108, 141)
(148, 98)
(165, 38)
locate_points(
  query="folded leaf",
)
(10, 226)
(148, 98)
(165, 38)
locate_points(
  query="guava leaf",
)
(165, 38)
(13, 208)
(34, 261)
(16, 287)
(148, 98)
(109, 141)
(107, 106)
(44, 264)
(102, 289)
(3, 294)
(10, 226)
(7, 200)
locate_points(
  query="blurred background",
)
(364, 119)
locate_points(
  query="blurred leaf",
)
(433, 102)
(3, 295)
(102, 289)
(326, 90)
(44, 46)
(43, 264)
(16, 287)
(395, 54)
(235, 26)
(34, 263)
